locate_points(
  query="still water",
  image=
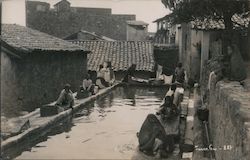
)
(105, 129)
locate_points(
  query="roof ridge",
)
(121, 54)
(32, 38)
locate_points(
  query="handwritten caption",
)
(212, 148)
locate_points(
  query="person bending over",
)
(87, 85)
(65, 99)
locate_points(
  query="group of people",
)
(153, 137)
(105, 75)
(169, 77)
(105, 78)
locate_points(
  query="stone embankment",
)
(229, 119)
(39, 125)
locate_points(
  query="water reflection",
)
(105, 102)
(114, 119)
(64, 126)
(129, 93)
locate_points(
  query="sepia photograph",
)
(125, 79)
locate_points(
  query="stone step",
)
(189, 135)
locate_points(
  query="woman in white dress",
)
(109, 75)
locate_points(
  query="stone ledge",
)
(229, 103)
(237, 98)
(41, 124)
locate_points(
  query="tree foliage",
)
(188, 10)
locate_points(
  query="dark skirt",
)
(103, 82)
(150, 130)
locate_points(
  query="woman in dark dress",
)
(237, 68)
(130, 73)
(153, 129)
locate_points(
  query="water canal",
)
(104, 129)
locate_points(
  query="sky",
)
(145, 10)
(13, 11)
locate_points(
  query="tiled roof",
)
(137, 23)
(122, 54)
(167, 17)
(26, 39)
(238, 21)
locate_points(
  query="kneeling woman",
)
(153, 138)
(88, 86)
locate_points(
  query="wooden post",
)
(158, 27)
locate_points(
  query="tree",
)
(223, 10)
(189, 10)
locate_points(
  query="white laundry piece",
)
(177, 93)
(169, 93)
(209, 79)
(168, 79)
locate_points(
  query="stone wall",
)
(229, 120)
(37, 79)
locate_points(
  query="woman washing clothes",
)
(87, 88)
(100, 81)
(179, 74)
(109, 75)
(87, 85)
(168, 110)
(153, 137)
(130, 73)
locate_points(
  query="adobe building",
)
(167, 33)
(35, 67)
(196, 41)
(165, 44)
(62, 6)
(65, 20)
(200, 41)
(137, 31)
(36, 6)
